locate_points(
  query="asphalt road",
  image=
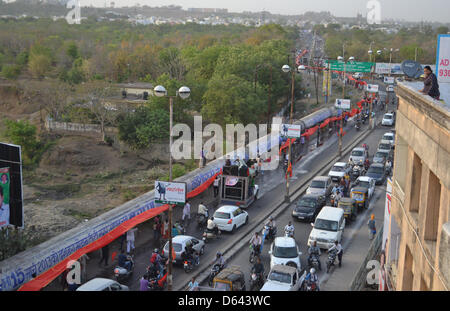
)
(272, 193)
(303, 229)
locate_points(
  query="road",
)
(272, 193)
(302, 229)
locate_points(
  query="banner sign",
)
(387, 211)
(11, 198)
(351, 66)
(4, 196)
(389, 80)
(291, 130)
(373, 88)
(443, 59)
(326, 83)
(170, 192)
(343, 104)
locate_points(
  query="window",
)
(318, 184)
(285, 252)
(416, 179)
(327, 225)
(222, 215)
(115, 287)
(432, 208)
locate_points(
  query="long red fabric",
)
(45, 278)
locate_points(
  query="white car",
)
(388, 119)
(102, 285)
(390, 137)
(283, 278)
(284, 250)
(328, 227)
(390, 88)
(338, 171)
(179, 246)
(230, 217)
(366, 182)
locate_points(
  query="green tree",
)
(11, 71)
(141, 128)
(24, 134)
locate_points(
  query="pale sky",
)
(410, 10)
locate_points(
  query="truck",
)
(237, 186)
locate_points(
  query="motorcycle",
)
(121, 273)
(314, 262)
(285, 165)
(311, 287)
(269, 234)
(358, 126)
(288, 233)
(357, 171)
(208, 235)
(212, 274)
(201, 221)
(256, 281)
(190, 264)
(331, 259)
(333, 200)
(253, 254)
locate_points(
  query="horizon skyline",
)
(432, 11)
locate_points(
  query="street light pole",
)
(184, 93)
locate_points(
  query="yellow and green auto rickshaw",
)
(361, 197)
(230, 279)
(349, 207)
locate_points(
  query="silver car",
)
(179, 246)
(321, 185)
(359, 154)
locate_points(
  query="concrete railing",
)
(76, 127)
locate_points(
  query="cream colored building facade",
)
(417, 248)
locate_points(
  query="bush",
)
(11, 71)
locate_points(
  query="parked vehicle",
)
(230, 217)
(321, 185)
(284, 278)
(381, 156)
(328, 227)
(389, 136)
(308, 207)
(101, 285)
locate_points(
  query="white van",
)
(328, 227)
(101, 284)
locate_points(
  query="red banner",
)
(45, 278)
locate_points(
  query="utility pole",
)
(169, 271)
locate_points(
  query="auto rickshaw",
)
(230, 279)
(349, 207)
(361, 197)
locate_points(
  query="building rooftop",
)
(438, 110)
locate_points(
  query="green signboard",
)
(351, 66)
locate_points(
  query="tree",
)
(14, 241)
(39, 65)
(144, 126)
(11, 71)
(96, 96)
(24, 134)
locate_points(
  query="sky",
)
(410, 10)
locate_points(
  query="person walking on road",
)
(157, 229)
(186, 212)
(216, 186)
(372, 227)
(144, 283)
(130, 239)
(105, 255)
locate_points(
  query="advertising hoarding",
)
(343, 104)
(170, 192)
(443, 59)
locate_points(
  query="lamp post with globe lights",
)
(184, 92)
